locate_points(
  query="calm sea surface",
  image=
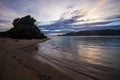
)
(83, 58)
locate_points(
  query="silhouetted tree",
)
(24, 20)
(16, 21)
(24, 28)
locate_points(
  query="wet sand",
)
(17, 64)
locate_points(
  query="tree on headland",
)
(24, 28)
(24, 20)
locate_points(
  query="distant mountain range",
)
(107, 32)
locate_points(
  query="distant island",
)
(107, 32)
(24, 28)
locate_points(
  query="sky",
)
(62, 16)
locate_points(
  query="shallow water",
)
(84, 58)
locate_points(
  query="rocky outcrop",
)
(24, 28)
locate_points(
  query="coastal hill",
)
(24, 28)
(107, 32)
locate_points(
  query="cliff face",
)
(24, 28)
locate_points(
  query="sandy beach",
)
(16, 64)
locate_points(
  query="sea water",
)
(84, 57)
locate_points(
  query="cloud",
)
(70, 6)
(6, 25)
(4, 21)
(114, 17)
(68, 20)
(65, 25)
(62, 15)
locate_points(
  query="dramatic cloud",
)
(59, 16)
(4, 21)
(114, 17)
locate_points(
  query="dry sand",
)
(16, 64)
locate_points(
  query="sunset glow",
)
(54, 16)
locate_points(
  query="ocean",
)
(83, 57)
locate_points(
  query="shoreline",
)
(16, 64)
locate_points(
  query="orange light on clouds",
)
(100, 3)
(91, 14)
